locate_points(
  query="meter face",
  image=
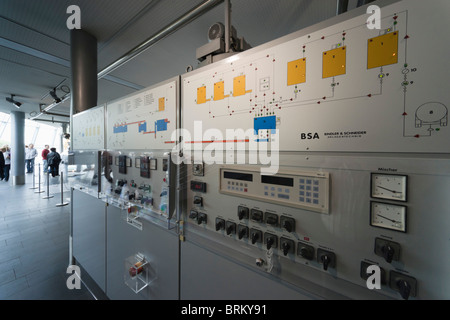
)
(390, 187)
(388, 216)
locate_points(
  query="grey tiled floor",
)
(34, 244)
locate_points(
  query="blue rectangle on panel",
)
(161, 125)
(265, 123)
(143, 127)
(121, 129)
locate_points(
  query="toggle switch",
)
(389, 250)
(230, 228)
(198, 201)
(287, 246)
(405, 285)
(242, 231)
(202, 218)
(326, 258)
(243, 213)
(256, 236)
(287, 223)
(193, 215)
(270, 240)
(220, 224)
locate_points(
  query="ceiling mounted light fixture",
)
(14, 102)
(54, 96)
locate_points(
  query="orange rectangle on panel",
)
(201, 95)
(162, 104)
(382, 50)
(296, 72)
(334, 62)
(219, 91)
(239, 86)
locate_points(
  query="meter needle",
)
(395, 221)
(393, 191)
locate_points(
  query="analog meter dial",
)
(388, 186)
(388, 216)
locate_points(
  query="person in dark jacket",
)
(2, 165)
(53, 161)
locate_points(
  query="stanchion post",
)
(39, 191)
(48, 196)
(34, 181)
(62, 204)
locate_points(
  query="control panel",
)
(360, 228)
(143, 183)
(307, 190)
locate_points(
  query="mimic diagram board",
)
(89, 129)
(145, 120)
(342, 88)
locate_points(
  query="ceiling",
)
(35, 42)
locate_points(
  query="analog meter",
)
(388, 216)
(389, 186)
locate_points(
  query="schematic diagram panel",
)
(343, 88)
(89, 129)
(145, 120)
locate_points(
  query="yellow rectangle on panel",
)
(296, 72)
(219, 91)
(201, 95)
(162, 104)
(382, 50)
(239, 86)
(334, 62)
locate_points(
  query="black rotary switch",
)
(193, 215)
(201, 218)
(243, 213)
(285, 246)
(270, 243)
(326, 261)
(230, 228)
(255, 237)
(243, 232)
(220, 224)
(388, 253)
(404, 288)
(287, 223)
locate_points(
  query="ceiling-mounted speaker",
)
(216, 31)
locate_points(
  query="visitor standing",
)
(54, 159)
(7, 155)
(30, 155)
(2, 165)
(44, 154)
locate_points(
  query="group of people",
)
(5, 163)
(51, 160)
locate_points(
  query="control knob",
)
(254, 237)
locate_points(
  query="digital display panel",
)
(281, 181)
(238, 176)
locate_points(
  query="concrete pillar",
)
(17, 172)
